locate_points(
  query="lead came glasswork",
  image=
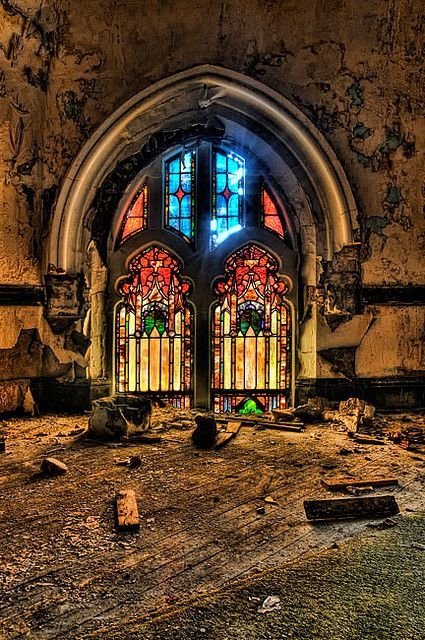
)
(270, 218)
(251, 333)
(136, 216)
(179, 200)
(228, 196)
(154, 351)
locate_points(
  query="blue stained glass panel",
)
(174, 182)
(174, 166)
(229, 191)
(234, 206)
(185, 207)
(220, 162)
(185, 227)
(220, 182)
(174, 207)
(179, 202)
(186, 162)
(186, 181)
(221, 225)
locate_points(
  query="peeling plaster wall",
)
(355, 69)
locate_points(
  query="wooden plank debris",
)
(231, 432)
(141, 438)
(127, 514)
(295, 427)
(53, 467)
(266, 423)
(337, 484)
(364, 439)
(346, 508)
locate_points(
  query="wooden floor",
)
(66, 573)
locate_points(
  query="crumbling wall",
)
(355, 69)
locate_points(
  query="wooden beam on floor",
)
(347, 508)
(127, 514)
(231, 432)
(336, 484)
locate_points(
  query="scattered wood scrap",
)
(266, 423)
(337, 484)
(346, 508)
(142, 438)
(231, 432)
(127, 514)
(53, 467)
(364, 439)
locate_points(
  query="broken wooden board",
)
(295, 427)
(53, 467)
(127, 514)
(231, 432)
(336, 484)
(348, 508)
(141, 438)
(364, 439)
(254, 421)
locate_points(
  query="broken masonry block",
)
(53, 467)
(205, 433)
(283, 415)
(308, 413)
(127, 513)
(347, 508)
(106, 421)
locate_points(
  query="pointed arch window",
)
(270, 217)
(227, 195)
(136, 217)
(179, 205)
(250, 334)
(154, 332)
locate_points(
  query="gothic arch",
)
(202, 89)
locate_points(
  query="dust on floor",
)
(67, 573)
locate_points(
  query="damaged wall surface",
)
(354, 70)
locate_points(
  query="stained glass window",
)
(180, 193)
(136, 216)
(250, 334)
(228, 195)
(270, 218)
(154, 329)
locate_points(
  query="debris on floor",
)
(271, 603)
(231, 432)
(337, 484)
(2, 445)
(205, 433)
(127, 514)
(53, 467)
(132, 462)
(343, 508)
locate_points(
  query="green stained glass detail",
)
(154, 320)
(251, 318)
(250, 407)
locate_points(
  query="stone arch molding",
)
(197, 89)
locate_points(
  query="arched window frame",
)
(256, 177)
